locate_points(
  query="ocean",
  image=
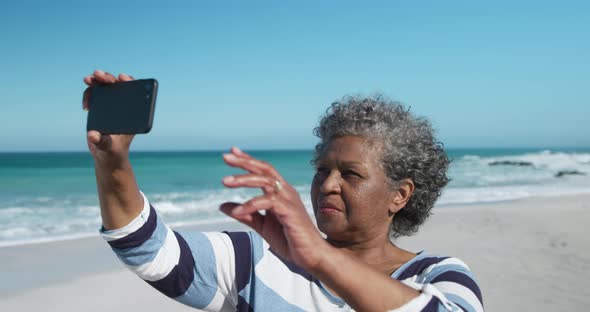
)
(52, 196)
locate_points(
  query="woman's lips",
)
(328, 210)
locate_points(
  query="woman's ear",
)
(402, 195)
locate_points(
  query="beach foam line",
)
(482, 195)
(460, 198)
(76, 236)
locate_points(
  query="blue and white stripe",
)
(237, 271)
(447, 281)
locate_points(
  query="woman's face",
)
(350, 194)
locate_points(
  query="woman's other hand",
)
(107, 149)
(286, 225)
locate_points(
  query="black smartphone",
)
(123, 107)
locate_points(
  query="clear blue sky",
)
(258, 74)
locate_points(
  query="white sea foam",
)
(10, 212)
(474, 180)
(549, 160)
(470, 158)
(43, 199)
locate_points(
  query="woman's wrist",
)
(108, 161)
(325, 259)
(341, 273)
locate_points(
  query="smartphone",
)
(123, 107)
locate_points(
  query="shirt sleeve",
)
(445, 286)
(194, 268)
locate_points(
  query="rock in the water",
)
(568, 172)
(511, 163)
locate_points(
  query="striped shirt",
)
(237, 271)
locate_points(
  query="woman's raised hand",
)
(108, 148)
(286, 226)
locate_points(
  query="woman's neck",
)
(379, 253)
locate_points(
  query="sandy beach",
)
(528, 255)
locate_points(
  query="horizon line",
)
(286, 149)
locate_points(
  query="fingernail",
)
(238, 209)
(100, 72)
(229, 179)
(238, 150)
(230, 156)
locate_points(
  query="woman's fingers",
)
(252, 165)
(125, 77)
(100, 77)
(253, 205)
(238, 152)
(85, 98)
(254, 220)
(89, 80)
(262, 174)
(101, 142)
(250, 180)
(104, 77)
(93, 136)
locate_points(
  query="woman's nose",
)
(331, 183)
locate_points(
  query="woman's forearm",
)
(361, 286)
(119, 196)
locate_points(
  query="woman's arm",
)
(361, 286)
(119, 197)
(440, 283)
(191, 267)
(187, 267)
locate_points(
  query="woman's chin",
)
(330, 230)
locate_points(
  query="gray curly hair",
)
(408, 150)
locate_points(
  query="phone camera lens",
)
(148, 87)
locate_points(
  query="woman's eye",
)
(320, 171)
(350, 173)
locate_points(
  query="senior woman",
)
(379, 171)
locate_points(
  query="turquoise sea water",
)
(52, 196)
